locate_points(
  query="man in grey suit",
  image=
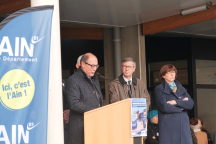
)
(83, 94)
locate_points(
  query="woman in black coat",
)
(173, 102)
(152, 128)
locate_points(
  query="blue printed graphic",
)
(138, 117)
(24, 78)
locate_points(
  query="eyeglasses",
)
(92, 66)
(171, 72)
(129, 67)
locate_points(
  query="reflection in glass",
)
(205, 72)
(181, 66)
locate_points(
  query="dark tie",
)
(129, 89)
(96, 92)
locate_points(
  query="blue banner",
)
(24, 75)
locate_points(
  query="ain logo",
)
(20, 46)
(18, 135)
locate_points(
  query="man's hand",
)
(185, 99)
(172, 102)
(66, 115)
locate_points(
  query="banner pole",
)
(55, 109)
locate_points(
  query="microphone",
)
(98, 74)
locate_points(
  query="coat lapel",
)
(180, 88)
(135, 88)
(176, 94)
(121, 80)
(94, 79)
(97, 86)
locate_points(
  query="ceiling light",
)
(196, 9)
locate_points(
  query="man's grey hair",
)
(79, 60)
(129, 59)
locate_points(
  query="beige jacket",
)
(138, 88)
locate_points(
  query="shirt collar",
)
(127, 79)
(196, 130)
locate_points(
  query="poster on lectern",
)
(24, 75)
(138, 117)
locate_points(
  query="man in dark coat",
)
(173, 119)
(83, 94)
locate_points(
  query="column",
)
(117, 51)
(108, 59)
(133, 45)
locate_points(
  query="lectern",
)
(110, 124)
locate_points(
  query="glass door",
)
(205, 90)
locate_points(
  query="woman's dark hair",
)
(203, 126)
(194, 121)
(166, 68)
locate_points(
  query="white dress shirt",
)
(127, 79)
